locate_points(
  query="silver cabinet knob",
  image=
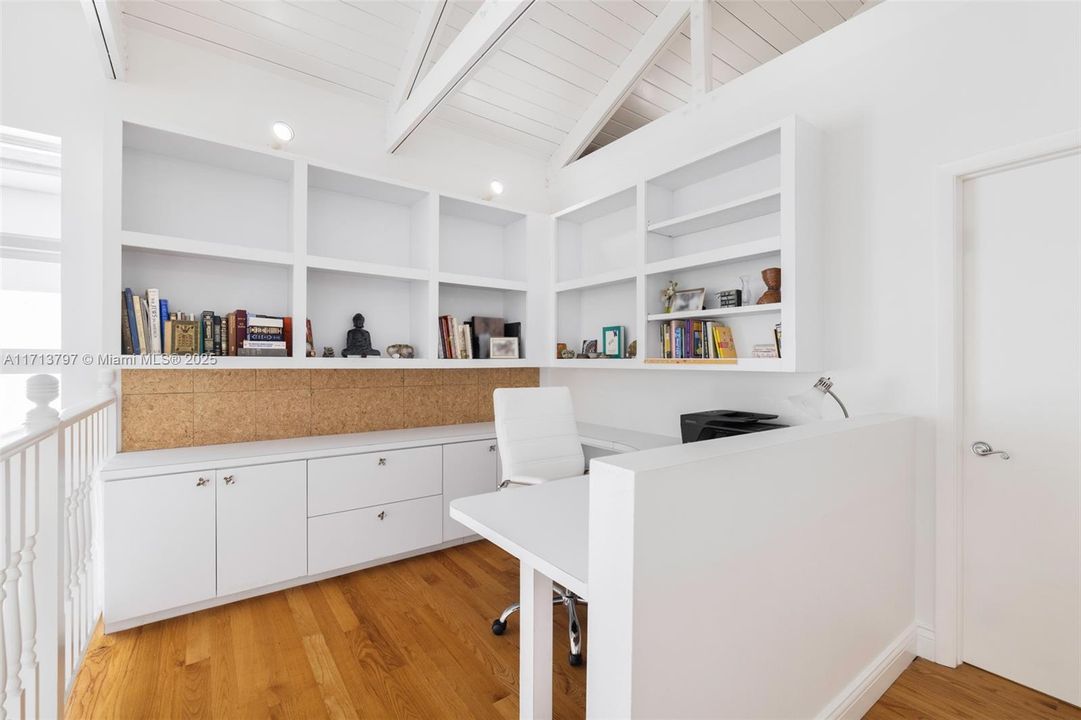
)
(201, 482)
(382, 461)
(491, 448)
(985, 450)
(230, 480)
(382, 514)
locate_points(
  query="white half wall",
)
(896, 91)
(765, 576)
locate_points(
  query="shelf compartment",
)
(710, 313)
(486, 283)
(395, 309)
(181, 186)
(597, 237)
(582, 313)
(738, 252)
(465, 301)
(358, 219)
(167, 245)
(316, 262)
(482, 241)
(750, 207)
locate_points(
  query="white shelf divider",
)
(752, 206)
(199, 248)
(731, 253)
(482, 282)
(716, 312)
(599, 280)
(354, 267)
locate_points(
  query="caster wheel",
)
(575, 659)
(498, 627)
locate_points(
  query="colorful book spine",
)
(206, 345)
(140, 325)
(216, 329)
(125, 327)
(153, 316)
(133, 327)
(241, 328)
(230, 329)
(287, 330)
(163, 307)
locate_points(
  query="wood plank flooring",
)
(408, 640)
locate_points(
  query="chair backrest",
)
(537, 433)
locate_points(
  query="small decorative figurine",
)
(667, 294)
(632, 349)
(358, 341)
(566, 353)
(772, 278)
(328, 351)
(401, 350)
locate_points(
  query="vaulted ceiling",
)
(555, 78)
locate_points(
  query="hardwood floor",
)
(408, 640)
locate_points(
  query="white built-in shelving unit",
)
(218, 227)
(735, 211)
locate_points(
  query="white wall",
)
(52, 82)
(895, 91)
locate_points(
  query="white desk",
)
(547, 528)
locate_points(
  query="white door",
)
(159, 543)
(1022, 394)
(468, 469)
(262, 525)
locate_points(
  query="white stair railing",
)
(50, 561)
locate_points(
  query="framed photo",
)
(589, 347)
(503, 348)
(612, 338)
(685, 300)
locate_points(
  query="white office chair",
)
(538, 442)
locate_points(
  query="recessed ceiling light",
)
(496, 187)
(282, 131)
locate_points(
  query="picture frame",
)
(503, 348)
(688, 300)
(589, 347)
(613, 338)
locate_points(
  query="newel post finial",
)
(42, 390)
(106, 383)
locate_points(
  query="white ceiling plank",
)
(107, 36)
(486, 129)
(480, 90)
(762, 23)
(737, 31)
(499, 80)
(194, 27)
(820, 12)
(386, 14)
(632, 13)
(677, 87)
(560, 46)
(846, 8)
(602, 20)
(420, 44)
(531, 76)
(701, 30)
(733, 54)
(552, 63)
(792, 18)
(455, 66)
(287, 37)
(644, 108)
(622, 82)
(629, 119)
(578, 32)
(506, 117)
(658, 96)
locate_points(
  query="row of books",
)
(696, 339)
(148, 326)
(455, 339)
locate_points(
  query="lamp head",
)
(810, 401)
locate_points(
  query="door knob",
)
(491, 448)
(229, 480)
(382, 514)
(201, 482)
(984, 450)
(382, 461)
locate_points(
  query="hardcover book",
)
(184, 337)
(126, 346)
(133, 327)
(153, 315)
(217, 334)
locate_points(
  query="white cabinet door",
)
(262, 525)
(468, 469)
(159, 543)
(356, 481)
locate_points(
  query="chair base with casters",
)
(574, 629)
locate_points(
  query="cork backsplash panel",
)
(184, 408)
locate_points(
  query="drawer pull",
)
(382, 514)
(230, 480)
(382, 461)
(491, 448)
(201, 482)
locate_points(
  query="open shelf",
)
(753, 206)
(709, 313)
(482, 241)
(581, 314)
(315, 262)
(183, 187)
(736, 252)
(597, 238)
(356, 219)
(608, 278)
(167, 245)
(488, 283)
(463, 302)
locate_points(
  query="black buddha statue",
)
(358, 341)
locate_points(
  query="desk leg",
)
(535, 654)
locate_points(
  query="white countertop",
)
(523, 521)
(195, 459)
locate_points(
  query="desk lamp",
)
(811, 400)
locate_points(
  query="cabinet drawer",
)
(357, 481)
(358, 536)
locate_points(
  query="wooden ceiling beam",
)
(620, 85)
(454, 67)
(107, 34)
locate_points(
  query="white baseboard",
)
(925, 642)
(857, 698)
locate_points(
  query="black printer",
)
(711, 424)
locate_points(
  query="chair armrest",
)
(521, 480)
